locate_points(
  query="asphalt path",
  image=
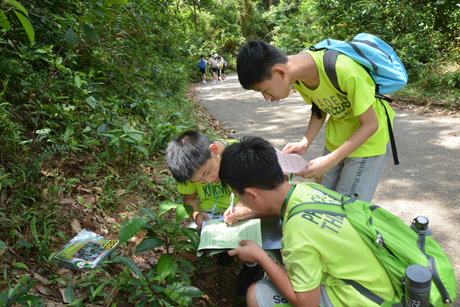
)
(425, 183)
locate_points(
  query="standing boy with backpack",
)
(322, 253)
(357, 138)
(203, 69)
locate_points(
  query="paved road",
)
(425, 183)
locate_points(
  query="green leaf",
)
(71, 37)
(29, 298)
(165, 265)
(130, 264)
(135, 137)
(4, 23)
(77, 81)
(131, 227)
(136, 282)
(98, 290)
(189, 291)
(59, 61)
(69, 295)
(41, 51)
(166, 206)
(104, 154)
(92, 103)
(20, 265)
(18, 5)
(183, 212)
(90, 32)
(148, 244)
(3, 245)
(27, 26)
(111, 2)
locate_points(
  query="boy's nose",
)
(267, 96)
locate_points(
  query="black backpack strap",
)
(329, 59)
(392, 137)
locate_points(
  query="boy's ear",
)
(279, 70)
(214, 148)
(254, 194)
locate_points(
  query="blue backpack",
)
(377, 58)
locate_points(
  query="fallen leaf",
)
(46, 291)
(110, 220)
(76, 227)
(88, 224)
(64, 299)
(120, 192)
(97, 190)
(453, 134)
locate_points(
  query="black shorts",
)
(214, 69)
(203, 70)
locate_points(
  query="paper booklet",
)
(217, 236)
(291, 163)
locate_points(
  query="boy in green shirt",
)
(194, 162)
(357, 138)
(319, 250)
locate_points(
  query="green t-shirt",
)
(323, 249)
(207, 192)
(344, 109)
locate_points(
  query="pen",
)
(232, 198)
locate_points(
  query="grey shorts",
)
(356, 175)
(267, 295)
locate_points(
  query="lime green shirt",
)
(323, 249)
(344, 109)
(207, 193)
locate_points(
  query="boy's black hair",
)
(187, 153)
(252, 162)
(255, 61)
(209, 56)
(202, 56)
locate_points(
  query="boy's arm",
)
(313, 128)
(241, 212)
(369, 125)
(250, 252)
(197, 215)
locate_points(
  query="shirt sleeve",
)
(187, 188)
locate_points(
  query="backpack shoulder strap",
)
(329, 60)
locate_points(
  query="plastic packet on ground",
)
(85, 251)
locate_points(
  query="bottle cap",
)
(421, 222)
(418, 279)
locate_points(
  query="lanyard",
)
(217, 197)
(285, 201)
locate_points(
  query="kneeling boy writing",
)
(319, 250)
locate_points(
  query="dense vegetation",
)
(92, 91)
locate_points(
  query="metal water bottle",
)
(417, 282)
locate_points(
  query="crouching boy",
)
(320, 252)
(194, 162)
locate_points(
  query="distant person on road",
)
(203, 69)
(194, 162)
(224, 67)
(213, 65)
(220, 65)
(357, 138)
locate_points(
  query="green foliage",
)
(168, 282)
(18, 294)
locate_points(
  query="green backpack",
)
(394, 244)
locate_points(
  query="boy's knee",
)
(251, 300)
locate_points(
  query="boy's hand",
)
(295, 148)
(240, 213)
(317, 168)
(249, 251)
(200, 217)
